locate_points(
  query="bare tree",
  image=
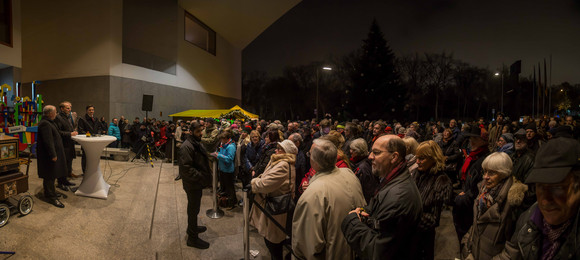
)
(439, 74)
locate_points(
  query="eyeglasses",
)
(490, 173)
(378, 152)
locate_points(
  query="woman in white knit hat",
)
(277, 179)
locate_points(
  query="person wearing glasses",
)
(495, 210)
(386, 228)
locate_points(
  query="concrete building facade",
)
(110, 53)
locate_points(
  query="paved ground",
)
(144, 218)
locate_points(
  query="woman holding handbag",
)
(277, 180)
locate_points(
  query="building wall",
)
(75, 49)
(12, 56)
(65, 39)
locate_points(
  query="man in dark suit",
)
(88, 124)
(50, 155)
(64, 124)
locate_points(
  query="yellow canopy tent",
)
(234, 112)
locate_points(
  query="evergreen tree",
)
(376, 91)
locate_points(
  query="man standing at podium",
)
(196, 175)
(50, 155)
(88, 124)
(64, 123)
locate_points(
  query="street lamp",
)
(317, 76)
(497, 74)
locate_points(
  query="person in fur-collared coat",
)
(278, 179)
(436, 189)
(495, 210)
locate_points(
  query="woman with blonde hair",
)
(435, 189)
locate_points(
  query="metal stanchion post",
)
(246, 226)
(173, 156)
(216, 212)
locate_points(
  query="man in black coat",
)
(64, 124)
(50, 155)
(88, 124)
(385, 228)
(196, 175)
(135, 133)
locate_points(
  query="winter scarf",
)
(553, 234)
(472, 157)
(487, 197)
(394, 173)
(227, 143)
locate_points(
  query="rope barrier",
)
(246, 224)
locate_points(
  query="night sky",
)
(482, 33)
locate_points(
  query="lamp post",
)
(498, 74)
(317, 76)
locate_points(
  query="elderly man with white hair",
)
(332, 193)
(51, 158)
(362, 167)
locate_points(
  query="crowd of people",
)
(376, 189)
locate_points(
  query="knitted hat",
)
(531, 126)
(508, 137)
(288, 146)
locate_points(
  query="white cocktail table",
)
(93, 184)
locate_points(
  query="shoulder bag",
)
(283, 203)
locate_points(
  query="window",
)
(199, 34)
(6, 22)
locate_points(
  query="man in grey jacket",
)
(385, 228)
